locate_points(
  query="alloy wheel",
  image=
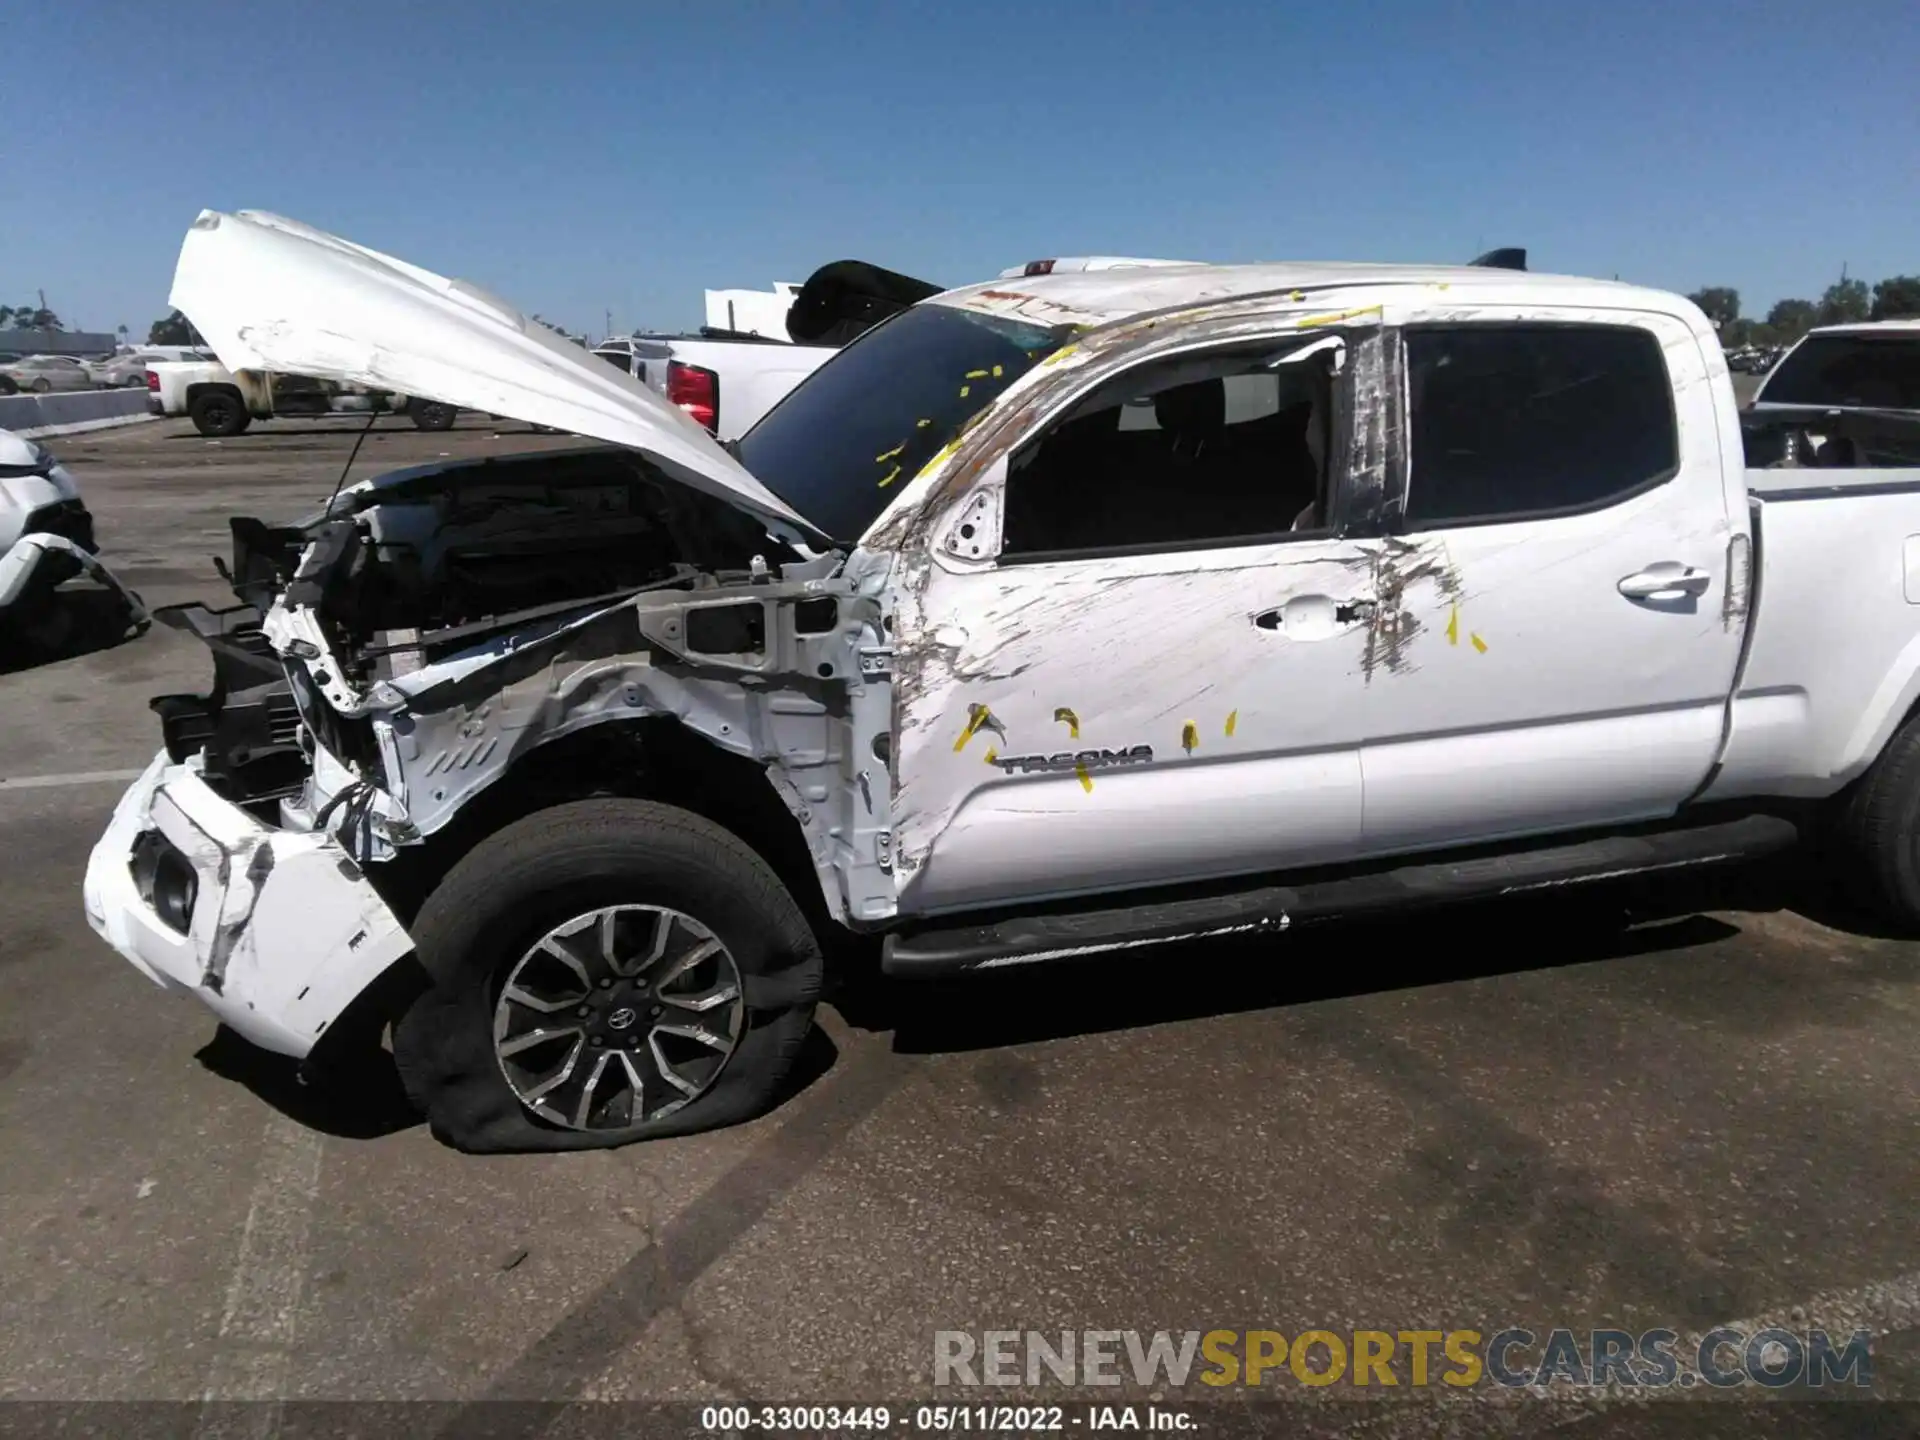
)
(618, 1016)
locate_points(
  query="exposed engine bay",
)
(420, 563)
(395, 654)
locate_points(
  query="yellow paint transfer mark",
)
(882, 459)
(963, 391)
(997, 372)
(1062, 353)
(1069, 719)
(976, 374)
(1189, 737)
(1453, 627)
(1478, 643)
(1298, 295)
(977, 717)
(1337, 316)
(921, 424)
(1233, 718)
(888, 478)
(1086, 780)
(939, 458)
(991, 755)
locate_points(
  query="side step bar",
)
(1027, 939)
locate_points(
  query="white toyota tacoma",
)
(1053, 616)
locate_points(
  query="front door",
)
(1152, 671)
(1554, 645)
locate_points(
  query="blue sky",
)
(584, 157)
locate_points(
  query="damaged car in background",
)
(46, 540)
(1051, 617)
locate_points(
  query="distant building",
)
(752, 312)
(14, 343)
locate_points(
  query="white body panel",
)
(1136, 650)
(1833, 666)
(175, 376)
(298, 934)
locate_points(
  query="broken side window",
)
(1223, 448)
(1513, 422)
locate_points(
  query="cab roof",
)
(1102, 296)
(1906, 325)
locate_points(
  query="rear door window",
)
(1513, 422)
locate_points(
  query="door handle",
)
(1666, 580)
(1310, 617)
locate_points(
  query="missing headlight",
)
(165, 879)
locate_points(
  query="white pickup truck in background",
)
(222, 402)
(1053, 616)
(728, 379)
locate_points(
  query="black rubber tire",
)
(218, 413)
(520, 882)
(431, 414)
(1878, 831)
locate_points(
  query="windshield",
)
(1878, 372)
(873, 415)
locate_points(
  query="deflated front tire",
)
(604, 972)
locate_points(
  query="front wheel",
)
(42, 385)
(603, 972)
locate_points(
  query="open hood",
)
(272, 294)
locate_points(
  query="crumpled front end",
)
(275, 931)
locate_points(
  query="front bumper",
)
(282, 931)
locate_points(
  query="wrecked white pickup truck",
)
(1052, 616)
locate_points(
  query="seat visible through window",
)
(1195, 452)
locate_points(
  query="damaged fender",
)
(283, 930)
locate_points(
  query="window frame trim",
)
(1336, 461)
(1400, 523)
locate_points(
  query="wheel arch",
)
(637, 758)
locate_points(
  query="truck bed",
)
(1834, 633)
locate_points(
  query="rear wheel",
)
(218, 412)
(42, 385)
(432, 415)
(604, 972)
(1879, 831)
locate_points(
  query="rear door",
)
(1553, 646)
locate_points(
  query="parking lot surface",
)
(1530, 1116)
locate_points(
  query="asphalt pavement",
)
(1681, 1107)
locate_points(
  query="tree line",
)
(29, 317)
(1845, 302)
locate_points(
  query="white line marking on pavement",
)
(1883, 1307)
(79, 777)
(257, 1330)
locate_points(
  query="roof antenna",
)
(372, 415)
